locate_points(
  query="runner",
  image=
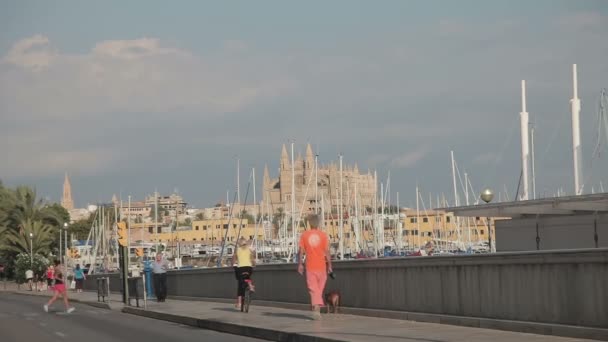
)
(59, 289)
(315, 244)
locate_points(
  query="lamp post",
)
(487, 195)
(31, 250)
(61, 250)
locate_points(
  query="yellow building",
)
(213, 231)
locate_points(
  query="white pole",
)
(156, 220)
(254, 198)
(418, 217)
(128, 235)
(255, 234)
(381, 221)
(356, 225)
(533, 172)
(576, 134)
(316, 183)
(341, 215)
(400, 226)
(525, 149)
(293, 201)
(454, 180)
(238, 181)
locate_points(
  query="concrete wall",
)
(563, 287)
(558, 232)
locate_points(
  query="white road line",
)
(42, 324)
(60, 334)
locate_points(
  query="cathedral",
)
(66, 200)
(277, 192)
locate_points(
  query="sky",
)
(129, 97)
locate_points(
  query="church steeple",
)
(284, 158)
(310, 157)
(66, 200)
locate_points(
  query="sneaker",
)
(316, 315)
(70, 310)
(46, 308)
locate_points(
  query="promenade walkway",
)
(295, 325)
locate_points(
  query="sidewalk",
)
(278, 324)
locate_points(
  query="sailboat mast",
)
(293, 201)
(576, 133)
(341, 214)
(316, 183)
(525, 149)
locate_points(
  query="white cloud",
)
(33, 53)
(126, 76)
(410, 159)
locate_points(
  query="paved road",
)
(23, 319)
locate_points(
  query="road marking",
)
(60, 334)
(42, 324)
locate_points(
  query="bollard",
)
(148, 275)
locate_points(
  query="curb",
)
(230, 328)
(100, 305)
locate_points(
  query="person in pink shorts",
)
(315, 244)
(59, 289)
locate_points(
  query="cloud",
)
(33, 53)
(128, 76)
(410, 159)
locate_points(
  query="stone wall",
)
(562, 287)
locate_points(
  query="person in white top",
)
(29, 276)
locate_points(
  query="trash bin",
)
(135, 289)
(102, 289)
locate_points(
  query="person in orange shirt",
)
(315, 244)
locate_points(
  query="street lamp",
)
(65, 226)
(31, 250)
(487, 195)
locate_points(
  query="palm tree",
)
(25, 206)
(19, 241)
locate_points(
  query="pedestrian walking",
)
(29, 277)
(79, 277)
(50, 277)
(159, 272)
(315, 245)
(59, 289)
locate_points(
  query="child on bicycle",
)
(245, 258)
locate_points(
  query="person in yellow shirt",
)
(244, 261)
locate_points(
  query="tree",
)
(201, 216)
(39, 243)
(248, 216)
(161, 213)
(23, 263)
(81, 228)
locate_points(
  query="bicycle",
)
(246, 299)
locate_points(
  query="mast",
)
(157, 249)
(525, 149)
(576, 134)
(533, 172)
(417, 217)
(293, 201)
(341, 214)
(316, 183)
(454, 181)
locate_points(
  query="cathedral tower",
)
(66, 200)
